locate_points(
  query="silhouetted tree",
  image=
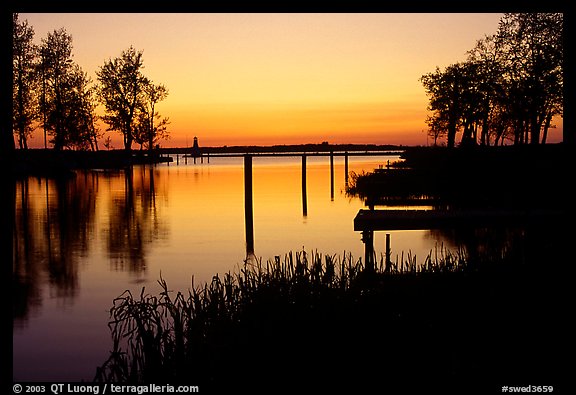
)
(122, 90)
(444, 89)
(56, 58)
(437, 126)
(511, 84)
(149, 126)
(66, 99)
(487, 57)
(81, 130)
(533, 47)
(473, 100)
(23, 76)
(462, 97)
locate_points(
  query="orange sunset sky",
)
(238, 79)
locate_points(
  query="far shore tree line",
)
(51, 92)
(509, 88)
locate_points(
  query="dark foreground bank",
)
(314, 324)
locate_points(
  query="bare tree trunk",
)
(546, 127)
(534, 130)
(128, 139)
(151, 130)
(484, 139)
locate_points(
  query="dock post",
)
(346, 167)
(177, 159)
(248, 211)
(388, 254)
(304, 197)
(201, 158)
(332, 175)
(208, 156)
(368, 240)
(194, 158)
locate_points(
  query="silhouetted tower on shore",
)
(195, 148)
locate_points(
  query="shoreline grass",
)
(320, 321)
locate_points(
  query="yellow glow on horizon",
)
(354, 123)
(267, 79)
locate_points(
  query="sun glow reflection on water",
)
(81, 243)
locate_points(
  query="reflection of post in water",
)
(346, 168)
(248, 210)
(332, 175)
(388, 253)
(304, 197)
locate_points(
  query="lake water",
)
(79, 243)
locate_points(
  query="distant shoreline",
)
(51, 163)
(285, 148)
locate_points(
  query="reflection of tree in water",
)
(25, 269)
(53, 225)
(496, 242)
(134, 221)
(75, 218)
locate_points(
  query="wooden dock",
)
(301, 153)
(374, 220)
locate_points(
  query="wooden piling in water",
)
(331, 175)
(177, 159)
(388, 253)
(346, 167)
(304, 197)
(368, 239)
(248, 210)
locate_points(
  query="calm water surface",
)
(80, 243)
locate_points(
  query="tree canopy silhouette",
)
(147, 131)
(129, 99)
(66, 98)
(511, 85)
(23, 77)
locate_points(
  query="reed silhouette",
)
(326, 324)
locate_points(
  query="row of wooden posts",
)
(367, 235)
(201, 156)
(369, 253)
